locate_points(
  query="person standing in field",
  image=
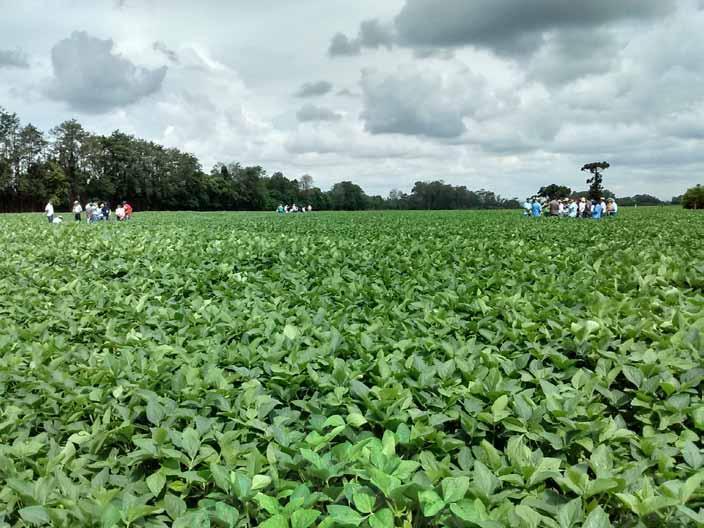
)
(77, 210)
(49, 210)
(611, 207)
(310, 208)
(536, 208)
(597, 210)
(105, 212)
(526, 207)
(128, 210)
(554, 207)
(120, 212)
(581, 206)
(572, 209)
(602, 202)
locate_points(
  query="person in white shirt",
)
(582, 206)
(526, 207)
(77, 210)
(572, 209)
(49, 209)
(57, 220)
(611, 207)
(120, 213)
(310, 208)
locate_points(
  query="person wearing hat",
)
(77, 210)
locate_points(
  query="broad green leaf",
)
(454, 488)
(597, 519)
(260, 482)
(466, 510)
(345, 515)
(156, 482)
(382, 519)
(304, 518)
(363, 501)
(277, 521)
(570, 514)
(226, 514)
(35, 515)
(430, 502)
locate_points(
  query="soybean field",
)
(378, 369)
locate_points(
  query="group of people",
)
(94, 212)
(285, 209)
(570, 208)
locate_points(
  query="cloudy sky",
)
(507, 95)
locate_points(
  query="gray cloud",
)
(570, 55)
(373, 34)
(341, 45)
(434, 53)
(165, 50)
(90, 77)
(13, 59)
(346, 92)
(509, 26)
(412, 102)
(309, 113)
(314, 89)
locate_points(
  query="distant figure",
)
(602, 202)
(572, 209)
(89, 212)
(536, 208)
(280, 209)
(310, 208)
(104, 212)
(611, 207)
(120, 213)
(286, 209)
(526, 207)
(554, 207)
(581, 207)
(588, 209)
(128, 210)
(77, 210)
(597, 210)
(294, 208)
(49, 210)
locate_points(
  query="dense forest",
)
(70, 163)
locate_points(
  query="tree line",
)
(70, 163)
(560, 192)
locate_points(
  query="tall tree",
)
(554, 191)
(347, 196)
(595, 182)
(693, 198)
(9, 151)
(69, 139)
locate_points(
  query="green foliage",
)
(555, 192)
(354, 370)
(596, 188)
(693, 198)
(78, 165)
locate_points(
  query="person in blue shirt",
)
(597, 210)
(536, 208)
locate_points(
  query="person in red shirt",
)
(128, 211)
